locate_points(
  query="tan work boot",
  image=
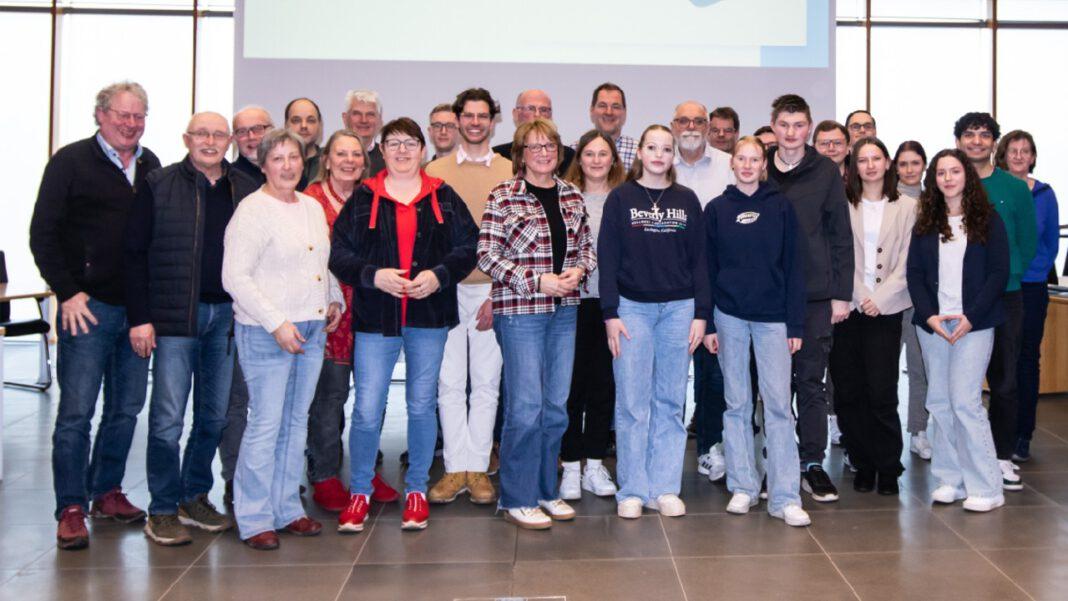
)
(481, 489)
(448, 488)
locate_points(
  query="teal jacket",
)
(1012, 199)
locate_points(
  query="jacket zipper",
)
(197, 233)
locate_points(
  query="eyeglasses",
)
(395, 145)
(541, 110)
(125, 116)
(685, 122)
(475, 116)
(825, 144)
(242, 132)
(726, 131)
(855, 127)
(538, 148)
(604, 106)
(203, 135)
(443, 126)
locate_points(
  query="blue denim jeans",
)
(373, 359)
(651, 374)
(270, 464)
(539, 354)
(1035, 307)
(962, 448)
(104, 354)
(773, 369)
(208, 360)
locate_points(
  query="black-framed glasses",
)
(685, 122)
(443, 126)
(538, 148)
(408, 144)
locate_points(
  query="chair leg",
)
(44, 368)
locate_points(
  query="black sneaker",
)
(817, 483)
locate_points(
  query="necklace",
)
(656, 203)
(788, 166)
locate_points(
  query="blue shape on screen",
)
(703, 3)
(816, 51)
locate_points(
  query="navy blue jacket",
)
(986, 271)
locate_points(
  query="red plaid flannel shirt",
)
(514, 245)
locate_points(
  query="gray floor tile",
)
(429, 582)
(761, 578)
(601, 537)
(928, 575)
(262, 583)
(588, 580)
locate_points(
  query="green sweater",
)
(1012, 199)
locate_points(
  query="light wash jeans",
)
(539, 354)
(270, 464)
(372, 360)
(773, 373)
(962, 446)
(651, 375)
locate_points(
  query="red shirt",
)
(339, 342)
(406, 229)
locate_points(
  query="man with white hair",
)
(363, 115)
(707, 171)
(529, 105)
(76, 238)
(250, 124)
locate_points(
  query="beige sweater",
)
(274, 261)
(473, 182)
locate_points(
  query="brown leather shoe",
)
(71, 533)
(304, 526)
(448, 488)
(495, 460)
(264, 541)
(114, 505)
(481, 489)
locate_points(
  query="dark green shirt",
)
(1012, 199)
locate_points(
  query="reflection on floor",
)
(863, 547)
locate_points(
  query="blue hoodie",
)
(1048, 233)
(756, 257)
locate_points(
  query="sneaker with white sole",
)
(833, 433)
(717, 463)
(597, 480)
(817, 483)
(983, 504)
(629, 508)
(946, 494)
(740, 503)
(793, 515)
(557, 509)
(846, 461)
(920, 446)
(528, 518)
(668, 505)
(1010, 480)
(704, 463)
(571, 481)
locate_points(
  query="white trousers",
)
(468, 430)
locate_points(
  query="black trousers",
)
(1001, 376)
(810, 370)
(864, 365)
(591, 403)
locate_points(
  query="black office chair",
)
(27, 327)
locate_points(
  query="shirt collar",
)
(706, 158)
(486, 159)
(113, 154)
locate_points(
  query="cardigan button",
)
(879, 266)
(879, 250)
(318, 278)
(415, 263)
(877, 280)
(310, 247)
(320, 311)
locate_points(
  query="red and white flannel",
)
(514, 245)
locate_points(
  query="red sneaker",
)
(383, 492)
(416, 512)
(331, 495)
(351, 520)
(264, 541)
(71, 533)
(304, 526)
(114, 505)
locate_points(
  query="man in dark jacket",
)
(76, 238)
(814, 186)
(177, 305)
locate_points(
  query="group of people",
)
(547, 298)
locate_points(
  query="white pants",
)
(468, 432)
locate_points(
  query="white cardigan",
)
(275, 261)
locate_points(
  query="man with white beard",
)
(707, 171)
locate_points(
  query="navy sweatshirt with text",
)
(756, 257)
(652, 256)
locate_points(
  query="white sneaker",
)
(981, 504)
(833, 433)
(629, 508)
(529, 518)
(847, 462)
(570, 481)
(557, 509)
(920, 446)
(793, 515)
(740, 503)
(717, 463)
(597, 480)
(946, 494)
(668, 505)
(1010, 480)
(704, 463)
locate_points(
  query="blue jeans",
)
(104, 354)
(270, 464)
(539, 354)
(372, 361)
(1035, 307)
(651, 373)
(207, 358)
(773, 369)
(962, 448)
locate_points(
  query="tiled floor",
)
(863, 547)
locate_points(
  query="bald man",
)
(177, 309)
(250, 125)
(529, 105)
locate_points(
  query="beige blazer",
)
(891, 293)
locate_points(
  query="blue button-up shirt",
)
(113, 155)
